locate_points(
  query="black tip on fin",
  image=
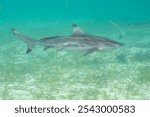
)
(45, 48)
(28, 51)
(74, 25)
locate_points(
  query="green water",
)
(122, 73)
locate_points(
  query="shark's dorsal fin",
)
(77, 30)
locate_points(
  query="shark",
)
(78, 40)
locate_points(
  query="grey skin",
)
(77, 41)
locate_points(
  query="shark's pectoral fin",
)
(28, 50)
(89, 51)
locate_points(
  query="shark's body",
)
(77, 41)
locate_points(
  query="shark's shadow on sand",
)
(78, 40)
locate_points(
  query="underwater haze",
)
(120, 73)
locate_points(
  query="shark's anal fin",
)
(28, 50)
(89, 51)
(59, 49)
(46, 48)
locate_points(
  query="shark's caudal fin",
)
(30, 42)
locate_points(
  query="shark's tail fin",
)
(30, 42)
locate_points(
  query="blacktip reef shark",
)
(78, 40)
